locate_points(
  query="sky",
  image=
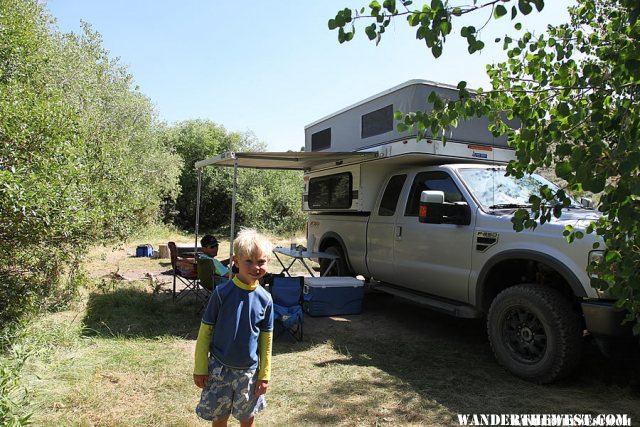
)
(273, 67)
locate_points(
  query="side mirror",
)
(434, 210)
(431, 207)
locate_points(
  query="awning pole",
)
(233, 207)
(195, 246)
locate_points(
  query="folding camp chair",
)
(208, 275)
(184, 270)
(286, 293)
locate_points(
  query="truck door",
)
(432, 258)
(380, 237)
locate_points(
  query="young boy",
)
(209, 251)
(236, 333)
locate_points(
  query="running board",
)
(452, 309)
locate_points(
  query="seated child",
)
(209, 251)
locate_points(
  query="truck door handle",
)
(398, 232)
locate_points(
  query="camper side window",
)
(330, 191)
(321, 140)
(377, 122)
(391, 195)
(439, 181)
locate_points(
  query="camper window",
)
(377, 122)
(330, 191)
(321, 140)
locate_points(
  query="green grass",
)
(123, 357)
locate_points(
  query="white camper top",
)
(370, 123)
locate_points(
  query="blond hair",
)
(251, 243)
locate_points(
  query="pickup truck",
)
(442, 235)
(431, 221)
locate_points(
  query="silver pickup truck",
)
(442, 235)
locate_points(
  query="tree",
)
(575, 91)
(260, 203)
(80, 158)
(271, 200)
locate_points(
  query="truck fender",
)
(563, 270)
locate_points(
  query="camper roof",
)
(371, 122)
(386, 92)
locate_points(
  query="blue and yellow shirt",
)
(242, 317)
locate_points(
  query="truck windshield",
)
(494, 190)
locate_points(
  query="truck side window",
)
(440, 181)
(391, 194)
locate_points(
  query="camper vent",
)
(321, 140)
(377, 122)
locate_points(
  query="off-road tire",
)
(535, 333)
(339, 268)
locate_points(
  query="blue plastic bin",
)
(144, 251)
(333, 296)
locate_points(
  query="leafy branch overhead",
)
(433, 22)
(573, 91)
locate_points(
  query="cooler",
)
(144, 251)
(332, 296)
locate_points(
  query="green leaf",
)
(370, 31)
(436, 5)
(564, 170)
(563, 109)
(436, 50)
(525, 7)
(390, 5)
(341, 35)
(612, 256)
(499, 11)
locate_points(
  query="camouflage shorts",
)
(229, 392)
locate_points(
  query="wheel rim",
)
(524, 335)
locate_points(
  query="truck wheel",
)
(340, 266)
(535, 333)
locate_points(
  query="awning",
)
(289, 160)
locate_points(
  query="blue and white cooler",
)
(333, 296)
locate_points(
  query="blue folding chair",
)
(286, 293)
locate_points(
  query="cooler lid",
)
(333, 282)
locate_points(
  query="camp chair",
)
(184, 270)
(207, 275)
(286, 293)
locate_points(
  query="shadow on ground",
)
(448, 364)
(137, 313)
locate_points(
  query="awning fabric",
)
(289, 160)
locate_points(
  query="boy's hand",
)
(200, 380)
(261, 387)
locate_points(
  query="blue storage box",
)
(144, 250)
(332, 296)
